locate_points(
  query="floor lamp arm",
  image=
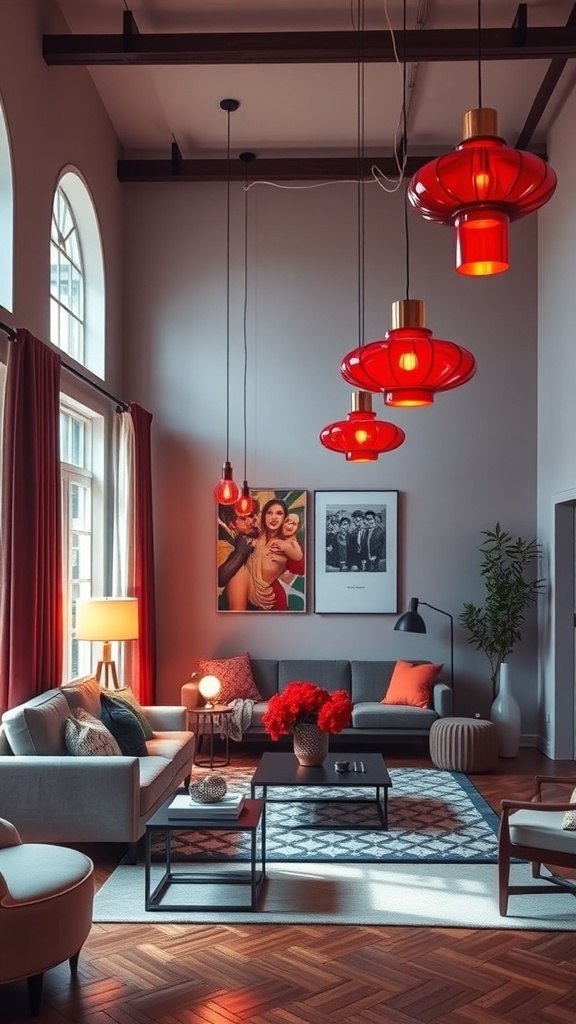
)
(448, 615)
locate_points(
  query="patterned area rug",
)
(434, 817)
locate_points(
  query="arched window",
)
(77, 297)
(6, 219)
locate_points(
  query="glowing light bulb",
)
(408, 361)
(361, 436)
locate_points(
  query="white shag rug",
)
(428, 895)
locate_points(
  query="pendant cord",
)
(245, 316)
(405, 154)
(228, 292)
(479, 53)
(360, 185)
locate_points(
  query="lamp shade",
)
(411, 621)
(408, 365)
(107, 618)
(361, 437)
(209, 687)
(478, 189)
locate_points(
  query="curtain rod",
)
(12, 336)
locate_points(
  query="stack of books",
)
(229, 807)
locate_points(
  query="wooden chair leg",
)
(503, 868)
(35, 993)
(73, 961)
(536, 869)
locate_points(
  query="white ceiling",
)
(289, 110)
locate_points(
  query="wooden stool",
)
(464, 744)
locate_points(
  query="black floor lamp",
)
(412, 622)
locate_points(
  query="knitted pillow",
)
(86, 735)
(411, 684)
(569, 819)
(236, 677)
(123, 723)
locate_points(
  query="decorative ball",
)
(209, 790)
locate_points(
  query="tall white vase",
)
(505, 714)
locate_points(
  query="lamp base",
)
(110, 675)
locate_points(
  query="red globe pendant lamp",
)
(361, 437)
(478, 189)
(409, 366)
(244, 506)
(226, 492)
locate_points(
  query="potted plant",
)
(309, 712)
(495, 627)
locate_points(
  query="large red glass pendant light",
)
(361, 437)
(408, 365)
(478, 189)
(226, 492)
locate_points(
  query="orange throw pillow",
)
(236, 677)
(411, 684)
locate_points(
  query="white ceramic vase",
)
(505, 714)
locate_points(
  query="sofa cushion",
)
(235, 675)
(126, 696)
(86, 735)
(120, 719)
(265, 672)
(332, 675)
(411, 684)
(375, 715)
(370, 679)
(37, 727)
(84, 693)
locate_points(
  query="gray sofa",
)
(365, 681)
(53, 797)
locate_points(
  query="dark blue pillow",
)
(124, 726)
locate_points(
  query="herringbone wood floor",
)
(183, 974)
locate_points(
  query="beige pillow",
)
(569, 819)
(86, 735)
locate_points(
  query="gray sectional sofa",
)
(365, 681)
(54, 797)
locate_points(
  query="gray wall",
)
(468, 461)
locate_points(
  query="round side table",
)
(205, 718)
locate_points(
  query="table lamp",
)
(107, 619)
(210, 687)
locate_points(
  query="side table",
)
(205, 718)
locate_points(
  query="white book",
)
(228, 807)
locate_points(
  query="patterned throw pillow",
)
(126, 696)
(120, 719)
(569, 819)
(236, 677)
(86, 735)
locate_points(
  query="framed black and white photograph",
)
(356, 551)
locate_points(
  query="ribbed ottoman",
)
(464, 744)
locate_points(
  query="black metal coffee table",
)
(283, 770)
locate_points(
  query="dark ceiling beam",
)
(273, 169)
(310, 47)
(544, 94)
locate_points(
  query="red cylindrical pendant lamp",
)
(408, 366)
(361, 437)
(478, 189)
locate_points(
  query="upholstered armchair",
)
(46, 896)
(532, 830)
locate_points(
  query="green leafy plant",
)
(495, 627)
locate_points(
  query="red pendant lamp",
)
(226, 492)
(361, 437)
(245, 504)
(409, 366)
(479, 189)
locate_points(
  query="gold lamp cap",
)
(361, 401)
(481, 121)
(408, 313)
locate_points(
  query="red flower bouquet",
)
(305, 703)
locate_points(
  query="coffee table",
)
(283, 770)
(252, 819)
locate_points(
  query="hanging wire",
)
(360, 188)
(405, 153)
(228, 112)
(246, 157)
(479, 53)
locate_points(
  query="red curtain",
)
(31, 628)
(144, 587)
